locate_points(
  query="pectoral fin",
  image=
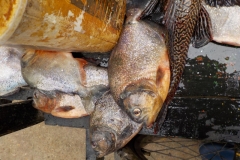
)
(202, 33)
(222, 3)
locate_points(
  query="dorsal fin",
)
(146, 6)
(202, 33)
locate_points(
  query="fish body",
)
(10, 70)
(225, 24)
(59, 71)
(139, 72)
(110, 127)
(51, 71)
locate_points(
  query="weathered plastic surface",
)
(87, 26)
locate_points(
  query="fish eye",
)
(94, 144)
(137, 112)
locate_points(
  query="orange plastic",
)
(77, 25)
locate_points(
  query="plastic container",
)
(76, 25)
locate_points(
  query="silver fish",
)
(70, 105)
(58, 71)
(110, 127)
(10, 70)
(60, 104)
(225, 23)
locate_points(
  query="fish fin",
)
(159, 77)
(149, 8)
(145, 6)
(95, 93)
(202, 33)
(82, 63)
(222, 3)
(160, 118)
(64, 108)
(98, 91)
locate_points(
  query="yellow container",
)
(76, 25)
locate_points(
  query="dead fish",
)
(110, 126)
(181, 18)
(69, 105)
(60, 104)
(10, 70)
(139, 72)
(225, 26)
(59, 71)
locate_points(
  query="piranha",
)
(51, 71)
(59, 104)
(110, 127)
(71, 105)
(183, 19)
(10, 70)
(139, 71)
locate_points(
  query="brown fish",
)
(59, 71)
(139, 71)
(11, 78)
(110, 127)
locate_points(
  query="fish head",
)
(142, 107)
(44, 102)
(103, 142)
(142, 103)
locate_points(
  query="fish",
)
(110, 127)
(139, 70)
(11, 78)
(70, 105)
(51, 71)
(225, 26)
(60, 104)
(181, 18)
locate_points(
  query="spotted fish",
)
(180, 18)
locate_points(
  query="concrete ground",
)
(45, 142)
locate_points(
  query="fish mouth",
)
(103, 142)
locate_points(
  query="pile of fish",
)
(143, 74)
